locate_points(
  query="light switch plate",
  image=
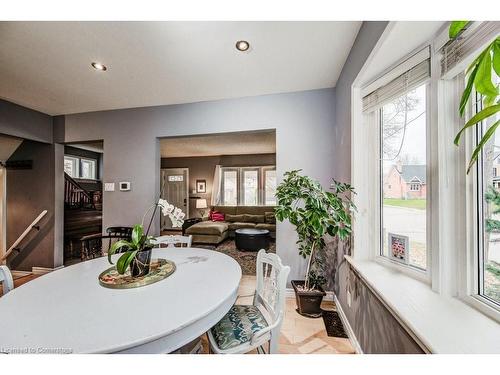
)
(109, 186)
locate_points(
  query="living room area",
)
(225, 184)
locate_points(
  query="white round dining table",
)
(68, 311)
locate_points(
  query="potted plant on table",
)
(314, 213)
(137, 251)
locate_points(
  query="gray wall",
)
(202, 168)
(304, 133)
(25, 123)
(29, 192)
(374, 326)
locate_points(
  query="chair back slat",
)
(271, 284)
(172, 241)
(6, 279)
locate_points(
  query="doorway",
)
(175, 190)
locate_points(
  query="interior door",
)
(175, 189)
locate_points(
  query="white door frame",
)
(3, 210)
(162, 172)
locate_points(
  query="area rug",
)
(333, 324)
(246, 259)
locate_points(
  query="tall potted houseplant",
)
(314, 212)
(137, 250)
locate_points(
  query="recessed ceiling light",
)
(242, 45)
(99, 66)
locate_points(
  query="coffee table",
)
(249, 239)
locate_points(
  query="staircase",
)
(82, 216)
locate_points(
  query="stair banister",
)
(33, 225)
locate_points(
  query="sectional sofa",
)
(236, 217)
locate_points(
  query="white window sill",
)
(441, 324)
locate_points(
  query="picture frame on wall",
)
(201, 186)
(399, 247)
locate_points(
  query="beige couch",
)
(236, 217)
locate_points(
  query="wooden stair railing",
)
(30, 227)
(75, 196)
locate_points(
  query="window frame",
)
(94, 162)
(76, 164)
(224, 170)
(265, 170)
(424, 275)
(78, 160)
(241, 186)
(474, 269)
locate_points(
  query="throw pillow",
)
(217, 216)
(234, 218)
(254, 218)
(270, 217)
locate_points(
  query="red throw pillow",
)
(217, 216)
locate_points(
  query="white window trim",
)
(261, 170)
(450, 280)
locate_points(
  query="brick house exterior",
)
(406, 182)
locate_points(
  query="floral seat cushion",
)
(238, 326)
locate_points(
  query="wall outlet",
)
(349, 300)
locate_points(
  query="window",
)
(72, 166)
(403, 166)
(488, 212)
(229, 187)
(248, 186)
(414, 187)
(270, 187)
(80, 167)
(88, 169)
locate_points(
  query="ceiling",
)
(46, 65)
(402, 38)
(7, 146)
(259, 142)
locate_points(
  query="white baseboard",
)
(43, 270)
(347, 326)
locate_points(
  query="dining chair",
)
(6, 279)
(248, 327)
(171, 241)
(124, 232)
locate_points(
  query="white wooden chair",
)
(248, 327)
(6, 279)
(171, 241)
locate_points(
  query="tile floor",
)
(299, 335)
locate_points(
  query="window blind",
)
(407, 81)
(477, 36)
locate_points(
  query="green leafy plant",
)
(481, 77)
(314, 213)
(138, 242)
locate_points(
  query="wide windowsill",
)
(441, 324)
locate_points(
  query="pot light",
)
(242, 45)
(99, 66)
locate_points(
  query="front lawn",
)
(419, 204)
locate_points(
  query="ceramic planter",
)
(308, 301)
(140, 265)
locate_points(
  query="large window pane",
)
(251, 188)
(88, 169)
(71, 166)
(489, 212)
(270, 187)
(230, 186)
(404, 179)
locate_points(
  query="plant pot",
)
(308, 301)
(140, 265)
